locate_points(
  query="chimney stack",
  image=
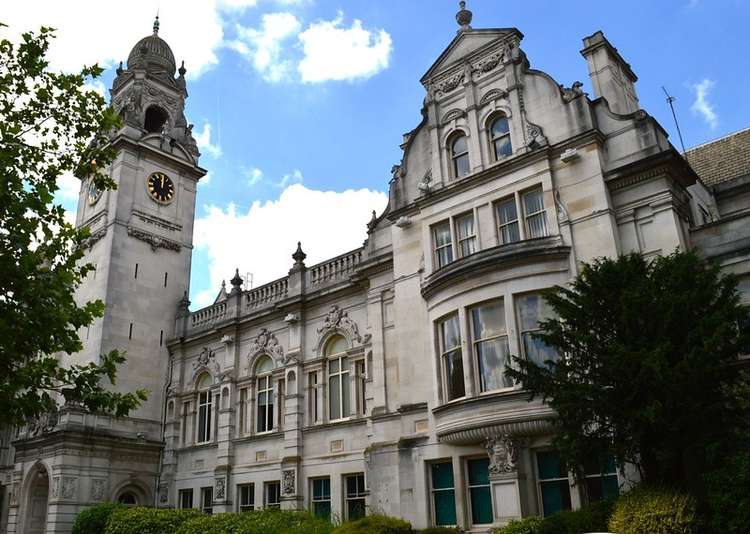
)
(610, 74)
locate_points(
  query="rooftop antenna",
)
(670, 101)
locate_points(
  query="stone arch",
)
(291, 383)
(155, 119)
(491, 112)
(256, 359)
(450, 134)
(202, 379)
(137, 488)
(37, 490)
(323, 341)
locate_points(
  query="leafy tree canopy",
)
(647, 370)
(49, 125)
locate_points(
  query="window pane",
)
(531, 310)
(488, 320)
(506, 211)
(500, 127)
(442, 234)
(493, 357)
(459, 145)
(537, 350)
(503, 147)
(537, 225)
(444, 256)
(455, 371)
(322, 509)
(442, 475)
(465, 226)
(510, 233)
(336, 345)
(479, 471)
(549, 465)
(334, 393)
(555, 496)
(333, 366)
(481, 505)
(533, 201)
(262, 419)
(451, 335)
(355, 509)
(461, 165)
(345, 396)
(468, 246)
(265, 365)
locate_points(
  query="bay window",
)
(443, 241)
(491, 349)
(466, 233)
(507, 221)
(531, 310)
(535, 214)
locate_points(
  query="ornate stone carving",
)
(42, 424)
(220, 489)
(14, 494)
(535, 136)
(338, 319)
(266, 342)
(153, 240)
(68, 487)
(492, 94)
(94, 237)
(97, 488)
(207, 360)
(163, 493)
(287, 483)
(503, 454)
(130, 104)
(572, 92)
(451, 115)
(450, 83)
(487, 63)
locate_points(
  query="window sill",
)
(495, 258)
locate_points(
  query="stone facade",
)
(372, 380)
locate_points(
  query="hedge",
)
(728, 496)
(148, 520)
(257, 522)
(440, 530)
(375, 524)
(592, 518)
(528, 525)
(655, 511)
(94, 520)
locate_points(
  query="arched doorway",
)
(36, 509)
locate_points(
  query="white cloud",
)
(294, 177)
(334, 52)
(262, 46)
(204, 298)
(203, 140)
(70, 187)
(206, 179)
(97, 86)
(327, 222)
(87, 33)
(701, 106)
(253, 175)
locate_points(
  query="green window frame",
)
(554, 485)
(480, 495)
(601, 479)
(443, 493)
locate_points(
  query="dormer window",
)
(500, 138)
(460, 156)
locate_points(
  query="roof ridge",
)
(732, 134)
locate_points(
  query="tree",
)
(647, 369)
(49, 125)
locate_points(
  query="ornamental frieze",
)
(153, 240)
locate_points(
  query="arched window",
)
(339, 402)
(205, 408)
(265, 394)
(128, 499)
(155, 119)
(460, 156)
(500, 138)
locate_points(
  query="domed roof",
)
(152, 53)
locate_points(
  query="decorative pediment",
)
(451, 115)
(337, 320)
(266, 342)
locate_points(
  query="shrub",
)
(94, 520)
(148, 520)
(591, 518)
(375, 524)
(654, 511)
(728, 496)
(258, 522)
(528, 525)
(440, 530)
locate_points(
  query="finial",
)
(119, 69)
(156, 23)
(299, 256)
(463, 17)
(236, 281)
(373, 222)
(182, 69)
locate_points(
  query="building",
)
(374, 380)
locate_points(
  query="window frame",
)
(542, 213)
(493, 139)
(540, 481)
(207, 491)
(469, 487)
(444, 354)
(266, 501)
(519, 323)
(358, 496)
(433, 491)
(456, 157)
(343, 373)
(250, 506)
(181, 494)
(264, 383)
(314, 501)
(500, 226)
(471, 238)
(475, 342)
(436, 249)
(205, 411)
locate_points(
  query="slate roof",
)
(723, 159)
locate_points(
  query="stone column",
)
(504, 477)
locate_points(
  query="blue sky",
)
(301, 104)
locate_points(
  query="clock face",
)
(160, 187)
(92, 193)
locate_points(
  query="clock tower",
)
(142, 232)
